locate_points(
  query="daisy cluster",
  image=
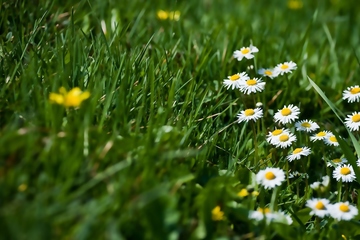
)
(321, 207)
(289, 128)
(342, 172)
(270, 216)
(251, 84)
(352, 94)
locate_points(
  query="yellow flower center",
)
(245, 51)
(270, 176)
(345, 171)
(333, 139)
(355, 90)
(344, 208)
(284, 138)
(356, 118)
(284, 66)
(285, 111)
(234, 77)
(336, 160)
(251, 82)
(297, 150)
(277, 132)
(264, 210)
(268, 72)
(249, 112)
(321, 134)
(306, 125)
(320, 206)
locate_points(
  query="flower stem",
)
(255, 145)
(287, 172)
(273, 205)
(346, 192)
(339, 190)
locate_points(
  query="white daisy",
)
(267, 72)
(285, 67)
(251, 86)
(250, 114)
(336, 162)
(315, 185)
(281, 217)
(343, 211)
(320, 135)
(288, 219)
(284, 140)
(353, 121)
(272, 136)
(287, 114)
(270, 216)
(270, 177)
(321, 185)
(298, 153)
(325, 181)
(246, 52)
(319, 206)
(345, 173)
(306, 126)
(358, 162)
(259, 214)
(234, 81)
(331, 140)
(352, 94)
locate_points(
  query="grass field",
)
(115, 122)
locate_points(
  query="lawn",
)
(155, 119)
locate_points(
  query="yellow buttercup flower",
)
(73, 98)
(217, 214)
(255, 193)
(22, 187)
(295, 4)
(171, 15)
(243, 193)
(162, 15)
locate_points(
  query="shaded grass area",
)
(155, 148)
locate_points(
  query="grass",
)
(157, 147)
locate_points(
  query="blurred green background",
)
(154, 149)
